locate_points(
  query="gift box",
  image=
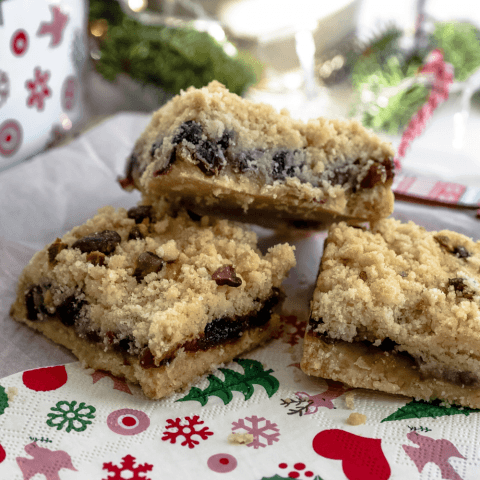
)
(43, 51)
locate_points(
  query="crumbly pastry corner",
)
(398, 308)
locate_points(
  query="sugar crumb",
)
(356, 419)
(12, 392)
(349, 399)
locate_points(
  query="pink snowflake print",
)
(45, 462)
(436, 451)
(324, 399)
(55, 27)
(38, 89)
(19, 42)
(258, 431)
(128, 465)
(186, 431)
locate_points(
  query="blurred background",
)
(350, 58)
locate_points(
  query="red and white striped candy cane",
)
(443, 78)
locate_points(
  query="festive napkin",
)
(66, 422)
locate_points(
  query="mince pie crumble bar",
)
(397, 309)
(156, 300)
(212, 151)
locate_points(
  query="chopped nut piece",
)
(356, 419)
(105, 242)
(226, 276)
(140, 213)
(12, 392)
(147, 262)
(349, 399)
(240, 438)
(55, 248)
(97, 258)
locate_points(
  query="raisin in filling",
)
(219, 331)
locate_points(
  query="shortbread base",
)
(363, 366)
(157, 382)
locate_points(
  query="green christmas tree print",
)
(235, 382)
(3, 400)
(422, 409)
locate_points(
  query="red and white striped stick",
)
(443, 78)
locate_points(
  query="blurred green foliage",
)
(170, 58)
(383, 65)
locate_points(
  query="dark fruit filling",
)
(210, 158)
(104, 242)
(71, 313)
(132, 165)
(283, 164)
(34, 302)
(378, 173)
(194, 216)
(246, 161)
(461, 288)
(190, 131)
(69, 310)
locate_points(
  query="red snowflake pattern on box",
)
(38, 89)
(258, 431)
(128, 465)
(186, 431)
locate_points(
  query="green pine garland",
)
(170, 58)
(383, 65)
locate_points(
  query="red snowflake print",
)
(38, 89)
(19, 42)
(128, 465)
(187, 431)
(257, 431)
